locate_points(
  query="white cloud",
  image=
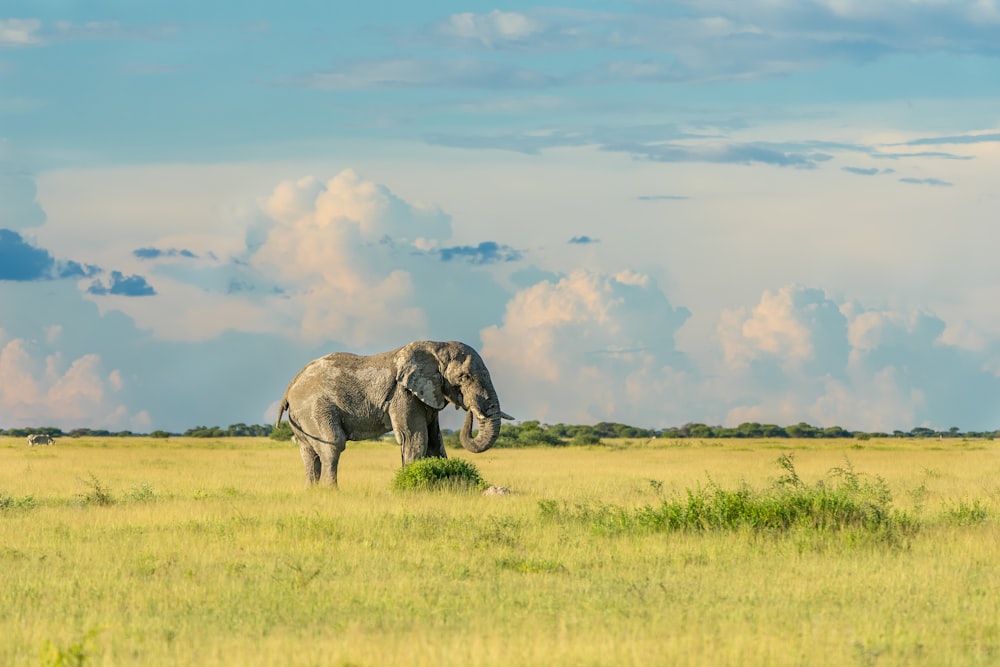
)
(799, 355)
(37, 391)
(331, 245)
(792, 325)
(581, 348)
(492, 29)
(19, 32)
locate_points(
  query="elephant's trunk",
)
(489, 429)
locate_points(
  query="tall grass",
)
(212, 554)
(846, 500)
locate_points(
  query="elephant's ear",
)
(418, 372)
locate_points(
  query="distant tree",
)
(159, 434)
(700, 431)
(205, 432)
(282, 433)
(585, 438)
(801, 430)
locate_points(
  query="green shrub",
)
(97, 494)
(11, 503)
(282, 432)
(967, 514)
(439, 473)
(846, 502)
(144, 493)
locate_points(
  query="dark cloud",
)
(653, 142)
(122, 285)
(487, 252)
(720, 153)
(71, 269)
(937, 182)
(20, 261)
(583, 240)
(903, 156)
(960, 139)
(156, 253)
(861, 171)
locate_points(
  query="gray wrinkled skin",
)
(345, 396)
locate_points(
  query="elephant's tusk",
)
(504, 415)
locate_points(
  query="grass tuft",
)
(75, 654)
(847, 501)
(143, 493)
(439, 474)
(967, 514)
(97, 494)
(13, 504)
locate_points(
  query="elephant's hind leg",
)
(328, 443)
(311, 460)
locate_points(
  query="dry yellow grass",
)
(212, 553)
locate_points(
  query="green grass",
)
(180, 551)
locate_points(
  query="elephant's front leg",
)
(409, 425)
(435, 443)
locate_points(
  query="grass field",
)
(194, 552)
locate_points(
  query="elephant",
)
(345, 396)
(40, 439)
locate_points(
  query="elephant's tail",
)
(281, 409)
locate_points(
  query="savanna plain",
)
(660, 552)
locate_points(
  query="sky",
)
(649, 212)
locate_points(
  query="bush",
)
(12, 503)
(98, 494)
(847, 502)
(437, 473)
(283, 432)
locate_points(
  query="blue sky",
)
(647, 212)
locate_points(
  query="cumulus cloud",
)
(37, 391)
(574, 349)
(794, 327)
(583, 240)
(331, 244)
(800, 351)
